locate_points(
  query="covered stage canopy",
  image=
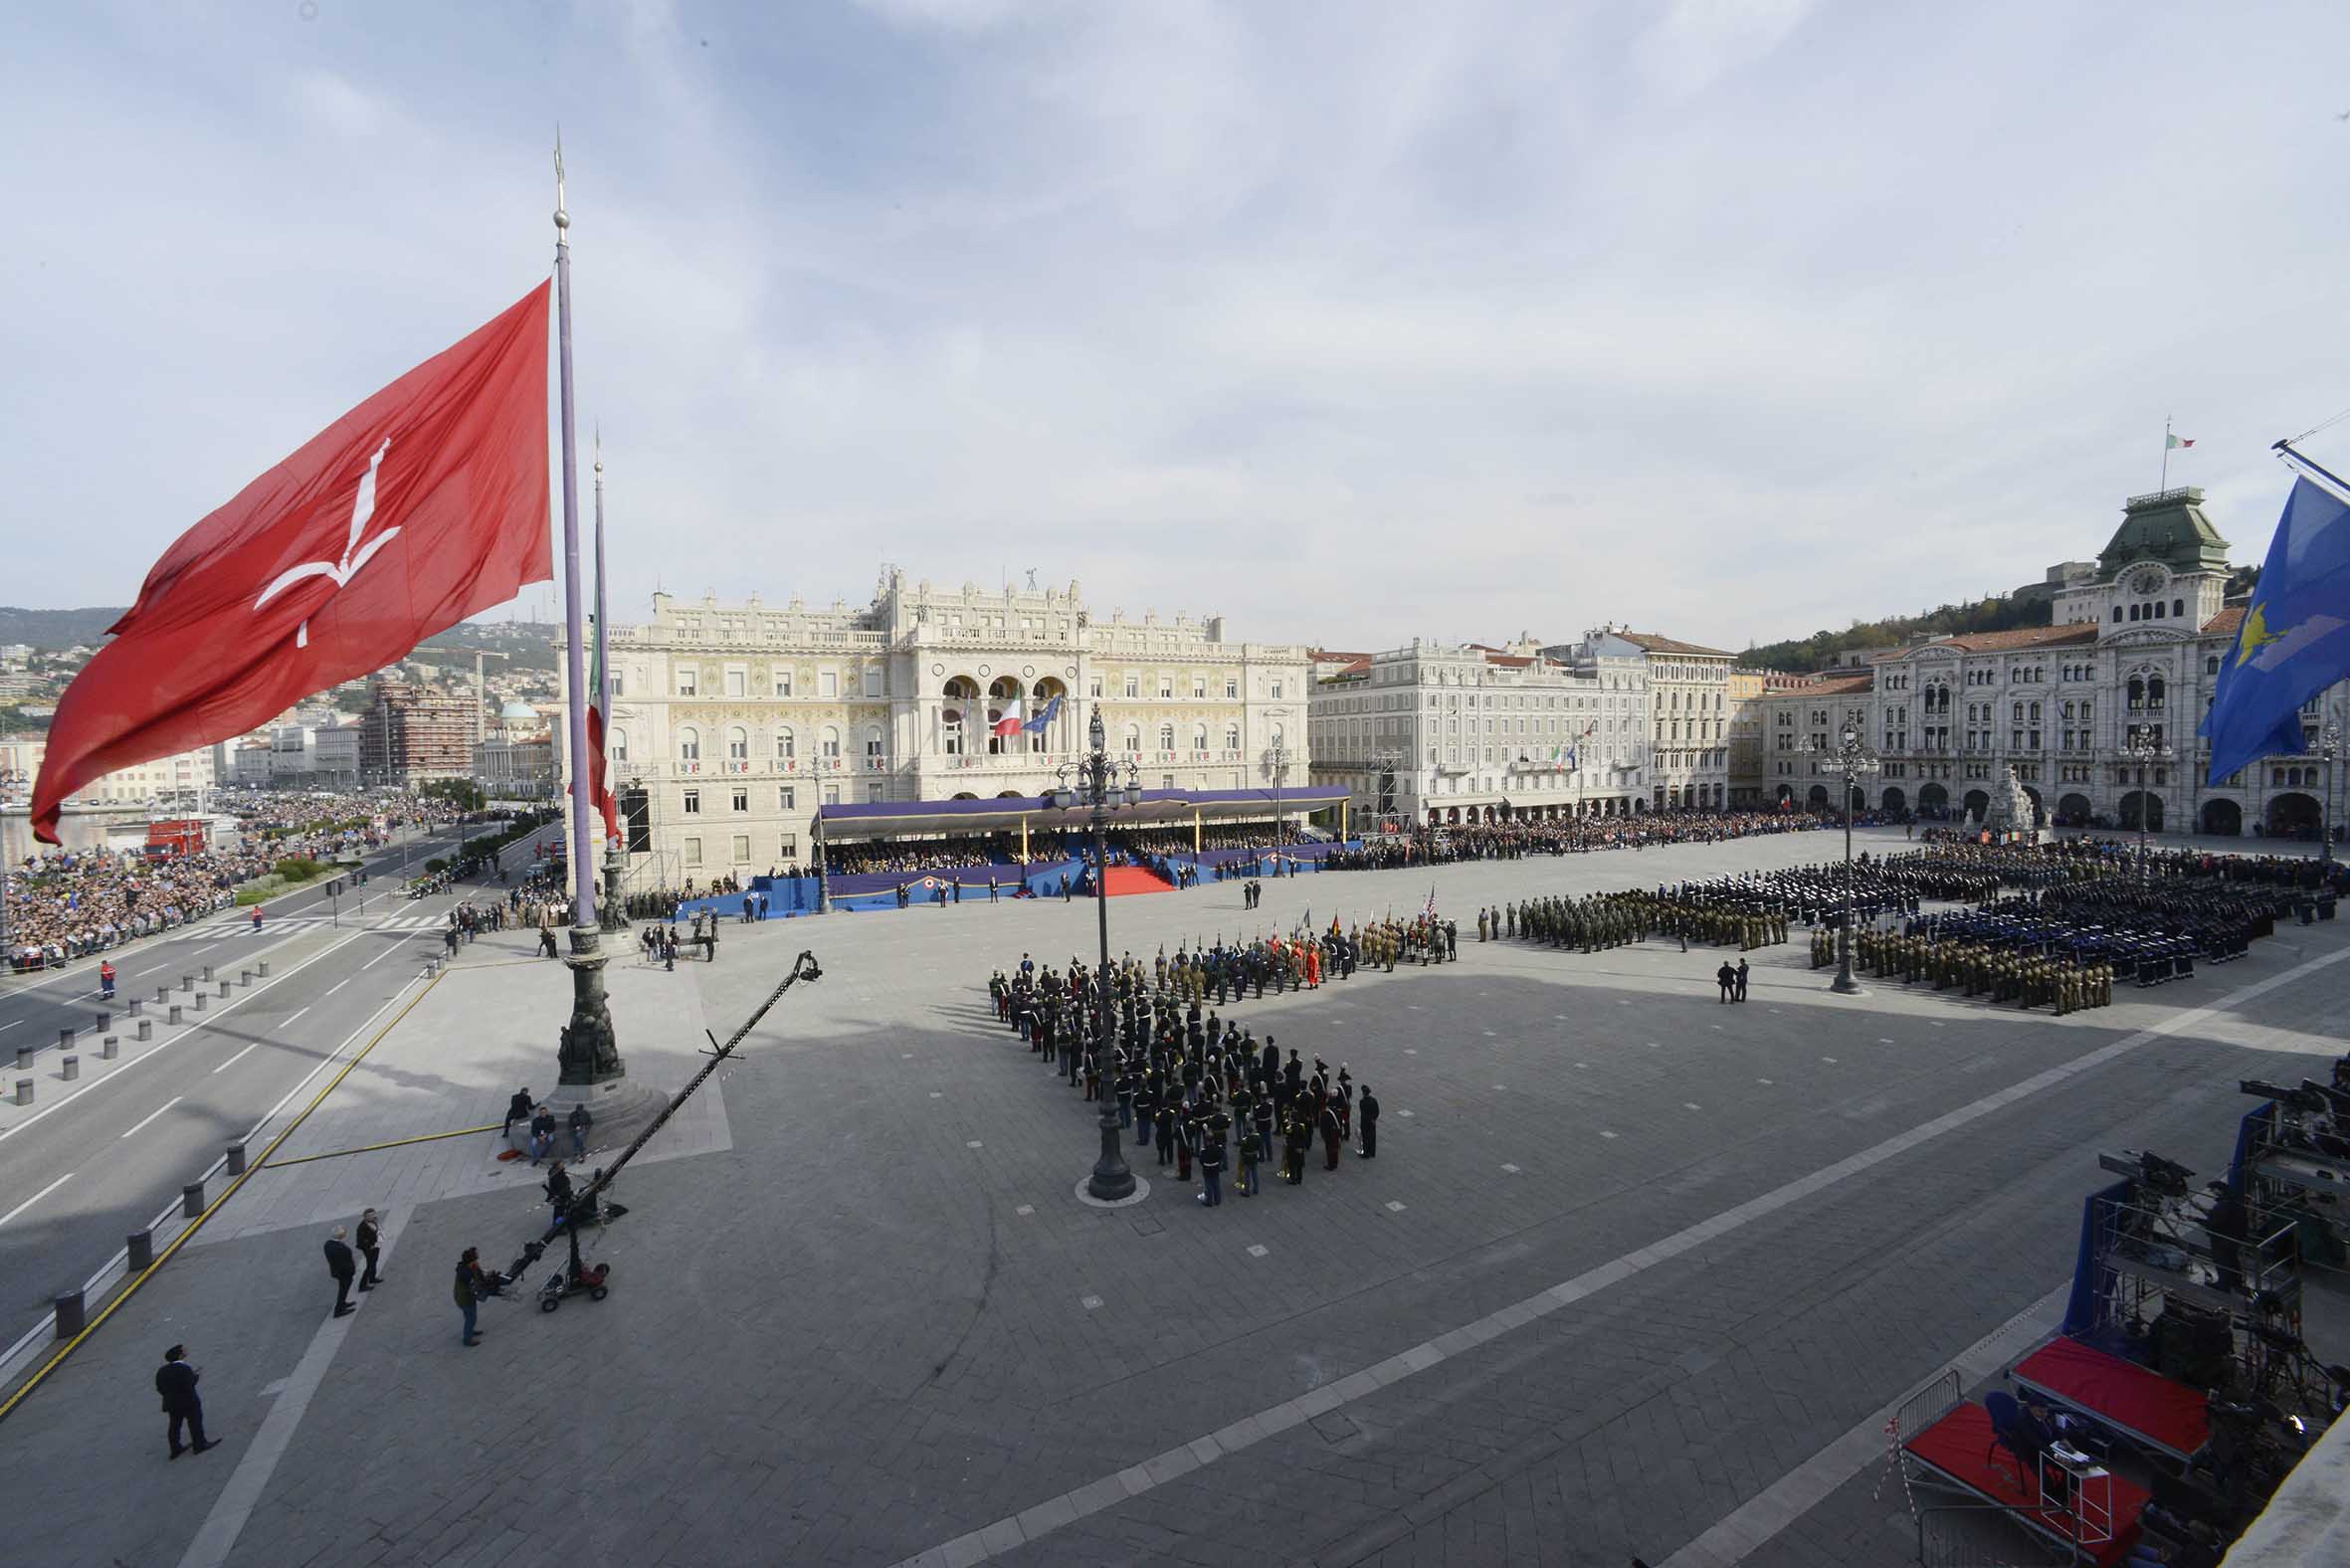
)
(1160, 808)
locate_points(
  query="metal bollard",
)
(199, 1000)
(68, 1314)
(174, 1018)
(224, 988)
(191, 1199)
(187, 982)
(263, 968)
(73, 1067)
(112, 1046)
(106, 1021)
(24, 1056)
(245, 977)
(23, 1092)
(138, 1005)
(162, 995)
(208, 974)
(65, 1040)
(140, 1245)
(236, 1166)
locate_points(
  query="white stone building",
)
(2134, 654)
(733, 723)
(1445, 733)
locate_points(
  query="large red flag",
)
(425, 505)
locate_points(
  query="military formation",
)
(2008, 966)
(1198, 1088)
(1706, 914)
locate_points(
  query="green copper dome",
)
(2168, 527)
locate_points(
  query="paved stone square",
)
(1626, 1258)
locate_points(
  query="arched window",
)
(2118, 615)
(1279, 737)
(786, 745)
(831, 741)
(2154, 691)
(620, 745)
(2035, 713)
(738, 744)
(688, 744)
(872, 744)
(2210, 666)
(1166, 738)
(2137, 691)
(1199, 738)
(2135, 609)
(951, 729)
(2177, 607)
(1134, 740)
(1232, 737)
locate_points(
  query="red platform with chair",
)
(1962, 1449)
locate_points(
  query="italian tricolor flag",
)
(2171, 443)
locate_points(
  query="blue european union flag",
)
(2296, 637)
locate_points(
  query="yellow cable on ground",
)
(368, 1148)
(56, 1358)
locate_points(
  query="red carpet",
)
(1124, 879)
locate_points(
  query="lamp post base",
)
(1844, 985)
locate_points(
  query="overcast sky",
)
(1350, 321)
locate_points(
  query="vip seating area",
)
(896, 854)
(2199, 1368)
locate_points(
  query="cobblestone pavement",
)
(1626, 1257)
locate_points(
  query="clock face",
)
(2146, 582)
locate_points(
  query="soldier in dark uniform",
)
(1327, 1119)
(1369, 1104)
(1212, 1130)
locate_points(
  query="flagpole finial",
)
(562, 213)
(599, 451)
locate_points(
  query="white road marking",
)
(36, 1198)
(380, 957)
(238, 1057)
(1691, 1104)
(338, 985)
(1762, 1081)
(1605, 1134)
(1830, 1060)
(166, 1106)
(295, 1019)
(10, 1025)
(188, 1032)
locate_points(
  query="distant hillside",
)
(530, 644)
(1999, 613)
(1803, 655)
(56, 628)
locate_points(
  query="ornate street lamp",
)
(2143, 751)
(1093, 781)
(1277, 763)
(1854, 761)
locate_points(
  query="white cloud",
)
(1352, 323)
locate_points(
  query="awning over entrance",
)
(1160, 808)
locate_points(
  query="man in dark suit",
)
(345, 1268)
(1367, 1118)
(371, 1249)
(175, 1380)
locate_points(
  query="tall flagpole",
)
(2166, 455)
(591, 1054)
(611, 860)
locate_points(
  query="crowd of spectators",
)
(1574, 835)
(69, 903)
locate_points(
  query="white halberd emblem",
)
(353, 555)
